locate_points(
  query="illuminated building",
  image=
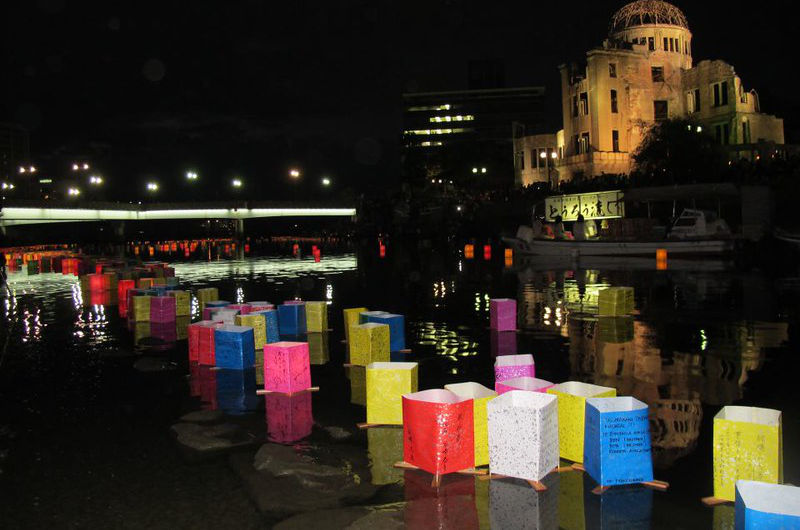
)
(642, 74)
(465, 135)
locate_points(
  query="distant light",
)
(73, 192)
(32, 169)
(326, 181)
(553, 155)
(483, 170)
(440, 181)
(191, 175)
(22, 169)
(8, 186)
(237, 183)
(95, 180)
(85, 165)
(543, 155)
(45, 181)
(75, 167)
(433, 181)
(458, 208)
(474, 170)
(294, 173)
(699, 129)
(152, 186)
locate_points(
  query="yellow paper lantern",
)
(259, 326)
(141, 308)
(748, 445)
(351, 319)
(572, 397)
(369, 343)
(386, 384)
(317, 317)
(183, 303)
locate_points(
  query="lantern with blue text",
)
(617, 441)
(438, 431)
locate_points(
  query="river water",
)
(87, 402)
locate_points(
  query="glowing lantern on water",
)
(295, 249)
(151, 250)
(174, 247)
(469, 251)
(382, 250)
(487, 252)
(247, 248)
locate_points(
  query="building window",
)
(577, 141)
(612, 69)
(720, 94)
(660, 110)
(583, 143)
(651, 44)
(615, 141)
(614, 108)
(657, 73)
(534, 158)
(745, 132)
(584, 104)
(697, 100)
(690, 102)
(666, 44)
(685, 48)
(519, 160)
(672, 45)
(723, 134)
(574, 106)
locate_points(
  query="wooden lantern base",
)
(263, 392)
(535, 484)
(365, 425)
(714, 501)
(437, 478)
(658, 485)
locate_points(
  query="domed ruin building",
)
(642, 74)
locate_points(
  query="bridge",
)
(42, 212)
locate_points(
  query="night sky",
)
(149, 89)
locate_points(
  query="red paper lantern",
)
(438, 431)
(487, 252)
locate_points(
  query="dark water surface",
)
(87, 403)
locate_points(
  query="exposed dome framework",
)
(644, 12)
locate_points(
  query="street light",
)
(8, 186)
(29, 169)
(95, 180)
(73, 192)
(236, 183)
(294, 173)
(326, 181)
(191, 175)
(474, 170)
(483, 170)
(152, 186)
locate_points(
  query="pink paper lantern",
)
(287, 367)
(243, 309)
(503, 314)
(438, 431)
(531, 384)
(510, 366)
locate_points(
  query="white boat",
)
(693, 234)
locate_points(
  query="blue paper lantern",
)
(397, 328)
(234, 347)
(617, 441)
(764, 505)
(292, 319)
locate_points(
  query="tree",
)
(678, 152)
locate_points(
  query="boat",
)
(694, 233)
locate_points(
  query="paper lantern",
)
(318, 352)
(469, 251)
(512, 504)
(110, 280)
(123, 286)
(386, 383)
(369, 343)
(182, 327)
(615, 301)
(358, 384)
(259, 325)
(162, 309)
(317, 316)
(236, 391)
(233, 347)
(397, 328)
(243, 309)
(205, 341)
(385, 448)
(364, 317)
(208, 294)
(503, 343)
(286, 367)
(617, 441)
(260, 306)
(351, 318)
(748, 445)
(183, 303)
(511, 366)
(140, 308)
(572, 397)
(271, 324)
(289, 417)
(438, 431)
(523, 435)
(292, 319)
(529, 384)
(223, 314)
(503, 314)
(480, 396)
(145, 283)
(763, 505)
(141, 331)
(95, 281)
